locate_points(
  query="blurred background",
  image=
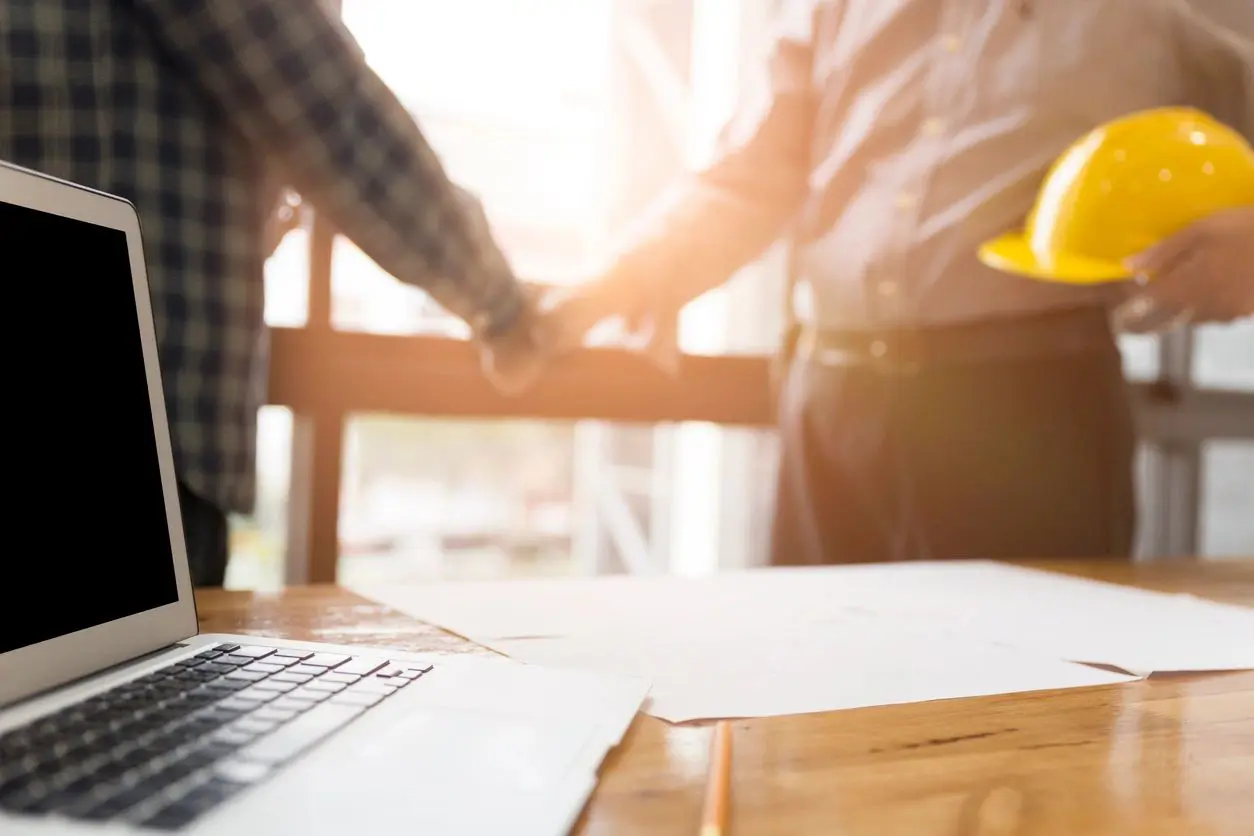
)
(605, 101)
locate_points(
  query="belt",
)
(907, 350)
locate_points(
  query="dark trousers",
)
(208, 538)
(1021, 457)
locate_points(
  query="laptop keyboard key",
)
(257, 695)
(298, 735)
(31, 801)
(361, 666)
(254, 651)
(175, 817)
(236, 660)
(214, 718)
(21, 800)
(216, 667)
(412, 673)
(252, 725)
(403, 670)
(286, 703)
(293, 653)
(325, 660)
(270, 714)
(232, 737)
(196, 802)
(264, 667)
(284, 661)
(336, 676)
(304, 670)
(113, 806)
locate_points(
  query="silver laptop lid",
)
(96, 571)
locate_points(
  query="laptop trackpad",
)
(444, 771)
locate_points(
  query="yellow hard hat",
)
(1122, 189)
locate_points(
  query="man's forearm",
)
(721, 218)
(700, 235)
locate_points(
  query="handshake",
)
(559, 321)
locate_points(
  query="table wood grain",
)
(1171, 756)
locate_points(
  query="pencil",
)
(718, 786)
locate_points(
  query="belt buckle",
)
(889, 355)
(810, 349)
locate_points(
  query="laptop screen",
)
(86, 525)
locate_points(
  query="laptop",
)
(116, 715)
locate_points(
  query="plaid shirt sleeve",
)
(296, 84)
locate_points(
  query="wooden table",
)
(1164, 756)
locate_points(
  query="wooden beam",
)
(313, 507)
(339, 373)
(313, 512)
(342, 372)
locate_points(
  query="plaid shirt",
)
(197, 111)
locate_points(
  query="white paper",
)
(1064, 617)
(1054, 615)
(856, 662)
(787, 641)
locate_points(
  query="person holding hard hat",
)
(1203, 274)
(941, 399)
(1165, 197)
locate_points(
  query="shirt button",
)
(951, 43)
(878, 349)
(933, 127)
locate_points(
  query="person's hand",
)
(516, 360)
(1203, 274)
(645, 325)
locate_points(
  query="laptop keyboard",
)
(164, 749)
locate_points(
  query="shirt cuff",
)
(493, 324)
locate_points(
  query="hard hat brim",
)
(1012, 253)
